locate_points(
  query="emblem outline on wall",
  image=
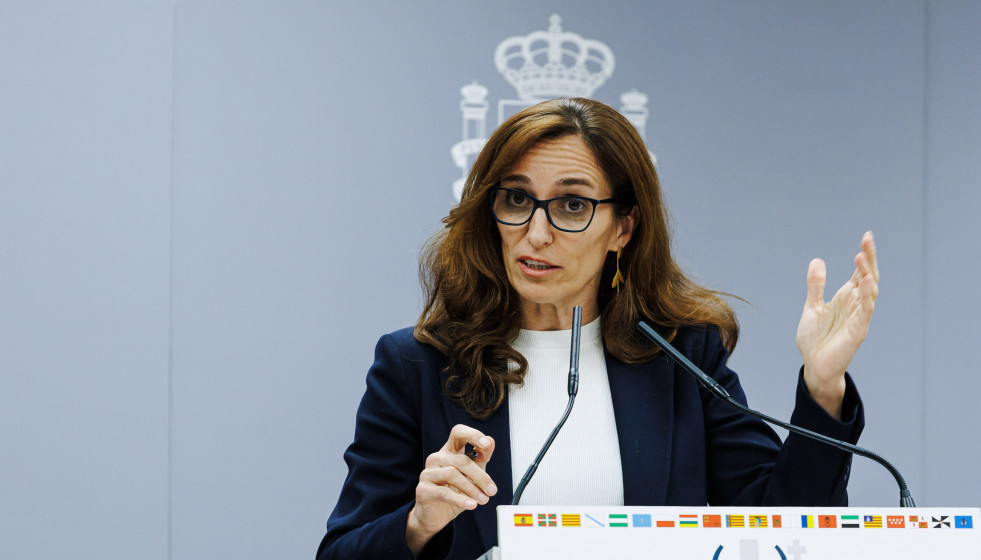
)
(541, 65)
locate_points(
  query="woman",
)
(563, 208)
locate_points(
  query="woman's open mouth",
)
(533, 267)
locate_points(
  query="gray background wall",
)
(209, 212)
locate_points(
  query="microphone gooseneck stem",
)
(574, 351)
(905, 499)
(573, 389)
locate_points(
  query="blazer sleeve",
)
(384, 462)
(748, 464)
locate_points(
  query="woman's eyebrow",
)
(523, 179)
(570, 181)
(565, 181)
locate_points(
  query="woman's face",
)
(551, 270)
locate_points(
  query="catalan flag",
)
(807, 521)
(523, 520)
(642, 520)
(872, 521)
(711, 521)
(618, 520)
(735, 521)
(571, 520)
(688, 521)
(758, 521)
(546, 520)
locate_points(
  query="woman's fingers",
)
(465, 467)
(871, 255)
(816, 278)
(450, 485)
(461, 435)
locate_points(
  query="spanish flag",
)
(523, 520)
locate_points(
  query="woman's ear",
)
(625, 229)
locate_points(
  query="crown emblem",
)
(554, 63)
(541, 65)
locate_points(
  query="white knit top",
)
(583, 465)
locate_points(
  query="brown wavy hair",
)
(472, 313)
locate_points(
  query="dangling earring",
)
(618, 279)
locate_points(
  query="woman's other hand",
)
(451, 483)
(830, 333)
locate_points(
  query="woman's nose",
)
(539, 230)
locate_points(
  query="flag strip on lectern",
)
(569, 531)
(620, 519)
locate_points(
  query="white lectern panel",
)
(708, 533)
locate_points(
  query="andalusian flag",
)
(618, 520)
(571, 520)
(758, 521)
(523, 520)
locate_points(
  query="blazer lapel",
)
(643, 409)
(499, 467)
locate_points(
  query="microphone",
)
(905, 499)
(573, 389)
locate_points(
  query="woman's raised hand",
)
(451, 483)
(830, 333)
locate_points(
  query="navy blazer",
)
(678, 446)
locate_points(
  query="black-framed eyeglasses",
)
(566, 213)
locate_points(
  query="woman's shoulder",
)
(697, 335)
(407, 347)
(696, 341)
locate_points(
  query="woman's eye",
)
(574, 205)
(517, 199)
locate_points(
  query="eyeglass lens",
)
(569, 212)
